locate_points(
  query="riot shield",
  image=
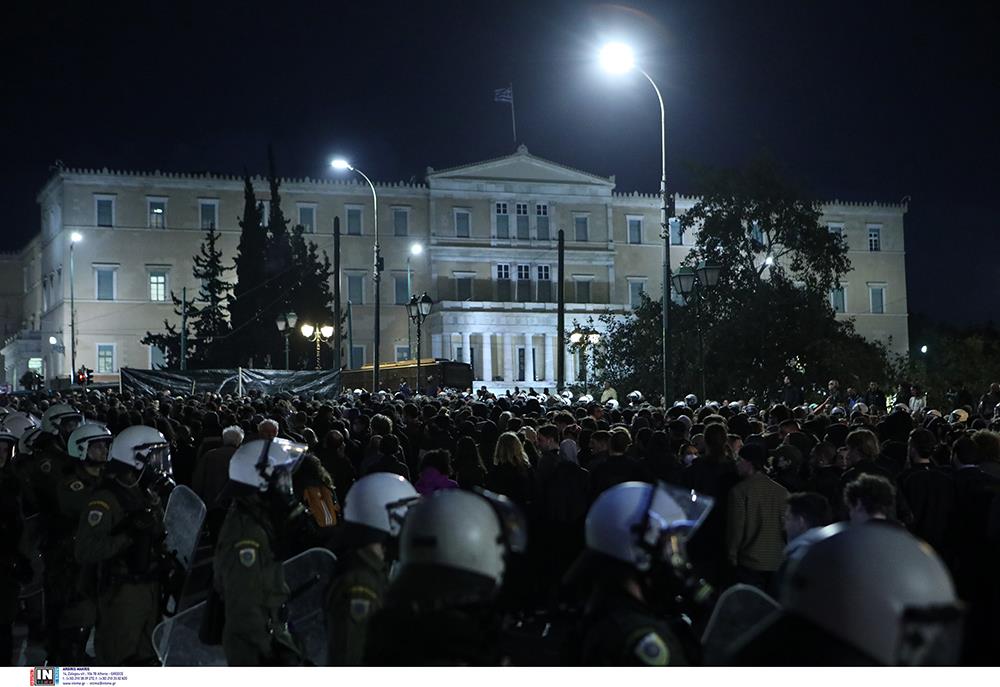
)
(739, 609)
(182, 520)
(308, 575)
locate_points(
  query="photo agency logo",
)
(45, 676)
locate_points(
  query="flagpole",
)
(513, 122)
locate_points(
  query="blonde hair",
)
(510, 450)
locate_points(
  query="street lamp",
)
(286, 323)
(617, 58)
(418, 309)
(585, 340)
(341, 164)
(320, 336)
(74, 238)
(416, 248)
(690, 282)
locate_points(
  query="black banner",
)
(318, 383)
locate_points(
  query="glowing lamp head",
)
(416, 248)
(769, 260)
(923, 349)
(340, 164)
(326, 330)
(617, 58)
(307, 330)
(53, 341)
(76, 237)
(575, 337)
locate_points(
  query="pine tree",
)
(211, 315)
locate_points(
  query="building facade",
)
(488, 232)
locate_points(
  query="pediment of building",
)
(522, 166)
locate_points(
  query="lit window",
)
(105, 359)
(836, 228)
(157, 213)
(158, 285)
(402, 353)
(874, 238)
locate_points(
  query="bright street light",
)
(76, 237)
(340, 163)
(769, 260)
(416, 248)
(53, 341)
(326, 330)
(307, 330)
(923, 349)
(617, 58)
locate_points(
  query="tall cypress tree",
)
(247, 299)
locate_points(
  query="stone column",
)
(529, 360)
(549, 346)
(487, 358)
(508, 359)
(466, 354)
(570, 366)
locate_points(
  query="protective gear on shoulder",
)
(16, 424)
(632, 522)
(140, 447)
(81, 438)
(881, 590)
(56, 414)
(472, 532)
(266, 464)
(380, 501)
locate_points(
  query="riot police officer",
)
(248, 572)
(454, 554)
(121, 532)
(626, 530)
(13, 565)
(373, 515)
(72, 589)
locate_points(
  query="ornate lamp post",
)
(418, 309)
(286, 324)
(585, 340)
(690, 282)
(319, 335)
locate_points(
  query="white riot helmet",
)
(470, 532)
(881, 590)
(630, 521)
(19, 423)
(611, 404)
(79, 441)
(380, 501)
(139, 447)
(266, 463)
(56, 414)
(634, 397)
(26, 444)
(691, 401)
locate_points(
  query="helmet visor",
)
(397, 513)
(157, 457)
(930, 636)
(512, 520)
(674, 512)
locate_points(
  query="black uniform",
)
(12, 564)
(620, 630)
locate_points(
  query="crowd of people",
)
(519, 529)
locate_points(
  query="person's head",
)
(735, 443)
(232, 436)
(870, 497)
(439, 459)
(607, 384)
(620, 442)
(61, 419)
(389, 445)
(90, 444)
(334, 441)
(804, 511)
(548, 438)
(862, 444)
(688, 453)
(833, 385)
(510, 451)
(267, 429)
(139, 454)
(600, 442)
(716, 440)
(381, 424)
(921, 445)
(788, 426)
(752, 458)
(987, 445)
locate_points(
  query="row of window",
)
(876, 299)
(208, 214)
(874, 232)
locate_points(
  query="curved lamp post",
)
(341, 164)
(416, 248)
(74, 239)
(285, 322)
(319, 335)
(418, 309)
(585, 340)
(690, 282)
(617, 58)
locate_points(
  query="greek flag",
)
(503, 95)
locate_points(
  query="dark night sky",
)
(859, 100)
